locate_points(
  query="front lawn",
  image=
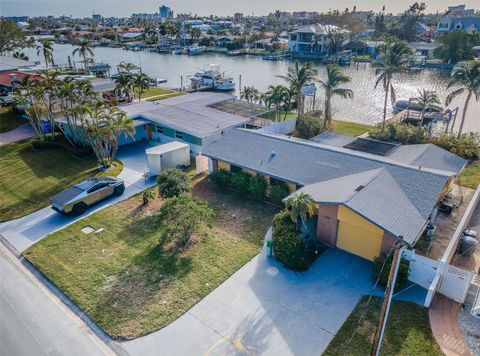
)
(154, 91)
(10, 120)
(128, 283)
(470, 176)
(29, 178)
(408, 331)
(350, 128)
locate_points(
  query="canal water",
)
(365, 107)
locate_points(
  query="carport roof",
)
(198, 114)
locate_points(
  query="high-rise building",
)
(165, 12)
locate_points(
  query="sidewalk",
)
(20, 133)
(444, 323)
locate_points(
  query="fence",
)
(283, 127)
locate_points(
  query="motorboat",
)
(195, 50)
(211, 77)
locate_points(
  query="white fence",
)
(422, 270)
(283, 127)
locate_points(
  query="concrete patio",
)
(24, 232)
(269, 310)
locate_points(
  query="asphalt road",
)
(34, 322)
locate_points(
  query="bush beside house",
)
(382, 274)
(278, 192)
(243, 182)
(173, 182)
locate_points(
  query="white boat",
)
(344, 57)
(194, 50)
(211, 77)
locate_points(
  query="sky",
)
(124, 8)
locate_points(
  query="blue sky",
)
(81, 8)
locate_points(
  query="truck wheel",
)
(119, 190)
(79, 208)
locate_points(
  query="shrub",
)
(398, 132)
(147, 196)
(173, 182)
(241, 181)
(466, 146)
(278, 192)
(258, 186)
(282, 224)
(221, 177)
(309, 127)
(402, 276)
(294, 252)
(180, 217)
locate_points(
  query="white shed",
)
(169, 155)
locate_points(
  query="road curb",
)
(99, 332)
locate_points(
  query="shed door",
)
(359, 240)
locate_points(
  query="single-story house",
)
(368, 194)
(196, 119)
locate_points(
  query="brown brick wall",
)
(387, 243)
(327, 224)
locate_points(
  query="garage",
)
(357, 235)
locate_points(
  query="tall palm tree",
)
(426, 99)
(301, 207)
(335, 77)
(141, 82)
(299, 75)
(20, 55)
(394, 58)
(195, 34)
(289, 101)
(468, 78)
(276, 95)
(127, 67)
(84, 50)
(124, 83)
(45, 48)
(250, 94)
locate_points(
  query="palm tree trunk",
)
(420, 124)
(464, 113)
(328, 114)
(385, 107)
(299, 105)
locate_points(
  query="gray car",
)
(76, 199)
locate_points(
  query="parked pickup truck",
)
(76, 199)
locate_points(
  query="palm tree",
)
(301, 207)
(330, 85)
(141, 81)
(126, 67)
(250, 94)
(46, 49)
(299, 75)
(276, 95)
(426, 99)
(289, 101)
(20, 55)
(124, 83)
(195, 33)
(468, 78)
(84, 50)
(394, 58)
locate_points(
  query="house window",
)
(160, 129)
(274, 181)
(179, 135)
(235, 169)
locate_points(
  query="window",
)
(160, 129)
(179, 135)
(235, 169)
(274, 181)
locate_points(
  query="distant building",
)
(97, 17)
(309, 41)
(145, 17)
(449, 23)
(165, 12)
(460, 11)
(237, 16)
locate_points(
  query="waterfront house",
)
(310, 41)
(368, 193)
(450, 23)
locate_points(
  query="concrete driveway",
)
(266, 309)
(24, 232)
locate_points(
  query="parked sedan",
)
(76, 199)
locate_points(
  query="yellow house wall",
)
(223, 165)
(357, 235)
(292, 187)
(445, 189)
(249, 171)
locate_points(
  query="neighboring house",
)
(425, 49)
(366, 201)
(449, 23)
(196, 119)
(266, 43)
(424, 30)
(9, 80)
(310, 41)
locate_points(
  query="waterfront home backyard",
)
(29, 177)
(131, 285)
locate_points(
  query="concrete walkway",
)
(24, 232)
(444, 323)
(265, 309)
(22, 132)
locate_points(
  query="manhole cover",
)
(88, 230)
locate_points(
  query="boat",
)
(179, 51)
(211, 77)
(155, 82)
(344, 57)
(401, 105)
(274, 56)
(195, 50)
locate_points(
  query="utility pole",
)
(387, 300)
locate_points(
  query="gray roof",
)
(319, 29)
(187, 113)
(420, 155)
(12, 63)
(393, 193)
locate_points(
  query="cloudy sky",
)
(121, 8)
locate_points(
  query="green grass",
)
(154, 91)
(349, 128)
(127, 282)
(470, 176)
(408, 331)
(164, 96)
(29, 178)
(10, 120)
